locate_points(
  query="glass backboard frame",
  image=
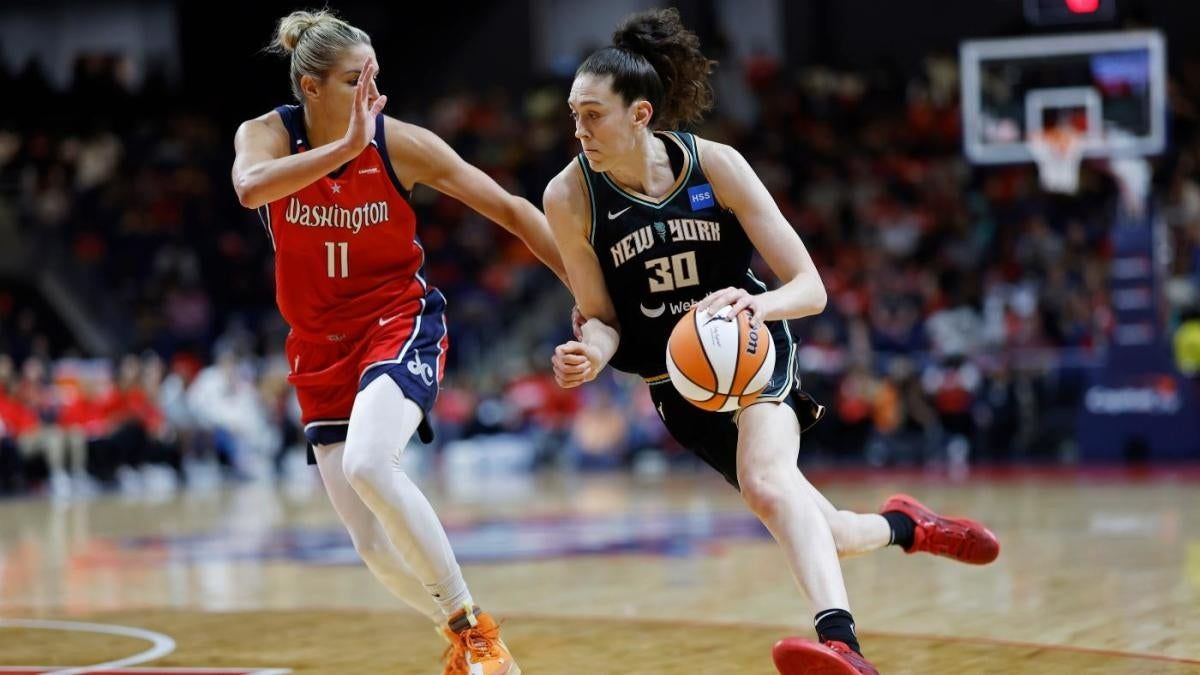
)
(974, 53)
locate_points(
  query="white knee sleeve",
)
(369, 538)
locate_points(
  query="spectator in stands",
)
(33, 422)
(953, 385)
(14, 421)
(225, 402)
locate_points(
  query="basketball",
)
(718, 363)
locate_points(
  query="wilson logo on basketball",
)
(718, 362)
(331, 215)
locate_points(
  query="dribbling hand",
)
(575, 363)
(737, 299)
(367, 104)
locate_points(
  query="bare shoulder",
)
(718, 157)
(267, 120)
(566, 192)
(405, 139)
(266, 130)
(566, 203)
(417, 154)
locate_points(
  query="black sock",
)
(459, 622)
(903, 528)
(837, 624)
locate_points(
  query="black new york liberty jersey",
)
(661, 256)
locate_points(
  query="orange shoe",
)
(960, 539)
(452, 658)
(797, 656)
(475, 645)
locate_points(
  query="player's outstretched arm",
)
(739, 189)
(420, 156)
(264, 168)
(569, 213)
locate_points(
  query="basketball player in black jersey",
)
(650, 221)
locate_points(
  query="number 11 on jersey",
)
(332, 268)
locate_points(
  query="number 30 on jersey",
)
(677, 271)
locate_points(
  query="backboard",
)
(1109, 87)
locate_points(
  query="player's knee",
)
(764, 492)
(361, 469)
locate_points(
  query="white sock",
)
(451, 594)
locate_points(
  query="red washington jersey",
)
(346, 249)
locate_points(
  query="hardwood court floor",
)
(611, 575)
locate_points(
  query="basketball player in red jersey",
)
(620, 214)
(331, 179)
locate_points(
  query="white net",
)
(1058, 153)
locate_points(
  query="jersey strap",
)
(380, 142)
(293, 121)
(591, 190)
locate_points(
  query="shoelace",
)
(481, 642)
(452, 657)
(839, 647)
(852, 657)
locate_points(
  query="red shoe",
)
(797, 656)
(960, 539)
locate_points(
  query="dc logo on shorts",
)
(422, 370)
(701, 197)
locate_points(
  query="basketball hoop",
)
(1058, 152)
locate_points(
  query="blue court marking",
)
(665, 534)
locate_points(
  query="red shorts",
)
(328, 375)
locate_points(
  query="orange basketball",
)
(719, 363)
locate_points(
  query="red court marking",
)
(45, 669)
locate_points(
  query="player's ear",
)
(643, 112)
(308, 85)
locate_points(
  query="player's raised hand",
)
(575, 363)
(367, 104)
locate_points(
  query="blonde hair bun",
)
(292, 27)
(313, 41)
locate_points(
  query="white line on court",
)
(162, 644)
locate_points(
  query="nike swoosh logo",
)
(653, 313)
(614, 216)
(384, 322)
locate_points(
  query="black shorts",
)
(713, 436)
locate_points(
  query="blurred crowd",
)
(966, 304)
